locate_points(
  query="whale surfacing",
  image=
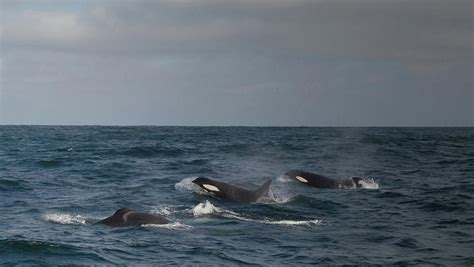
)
(319, 181)
(232, 192)
(125, 218)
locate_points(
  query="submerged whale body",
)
(320, 181)
(125, 218)
(232, 192)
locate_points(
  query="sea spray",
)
(185, 184)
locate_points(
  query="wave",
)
(27, 243)
(48, 163)
(448, 206)
(31, 252)
(11, 185)
(32, 246)
(207, 208)
(389, 194)
(150, 151)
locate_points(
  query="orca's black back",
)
(133, 218)
(313, 179)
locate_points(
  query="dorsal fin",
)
(121, 212)
(263, 189)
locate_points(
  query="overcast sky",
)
(240, 62)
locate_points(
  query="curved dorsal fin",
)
(263, 189)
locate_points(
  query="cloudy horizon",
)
(242, 63)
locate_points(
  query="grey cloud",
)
(411, 31)
(238, 62)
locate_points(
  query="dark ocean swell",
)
(415, 208)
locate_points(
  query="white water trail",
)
(290, 222)
(207, 208)
(171, 226)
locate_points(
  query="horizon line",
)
(242, 126)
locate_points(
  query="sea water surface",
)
(417, 208)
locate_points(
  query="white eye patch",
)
(301, 179)
(210, 187)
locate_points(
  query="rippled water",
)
(56, 181)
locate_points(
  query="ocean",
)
(56, 181)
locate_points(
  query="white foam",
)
(172, 226)
(64, 218)
(170, 209)
(205, 208)
(369, 183)
(208, 208)
(164, 210)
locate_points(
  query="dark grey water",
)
(56, 181)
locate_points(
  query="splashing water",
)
(369, 183)
(205, 208)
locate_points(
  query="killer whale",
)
(124, 218)
(320, 181)
(232, 192)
